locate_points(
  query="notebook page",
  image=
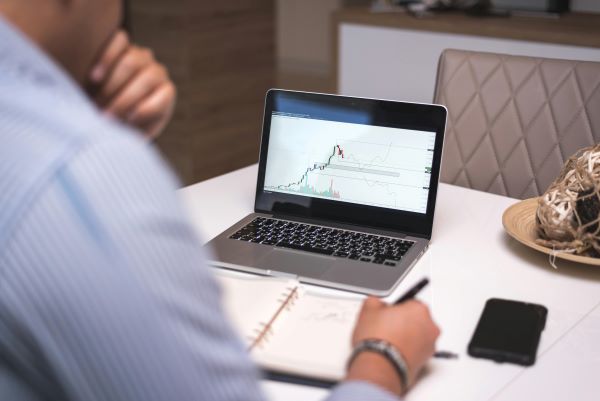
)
(251, 301)
(313, 338)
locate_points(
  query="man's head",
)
(73, 32)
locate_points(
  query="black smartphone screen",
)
(508, 331)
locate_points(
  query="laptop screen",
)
(349, 162)
(352, 160)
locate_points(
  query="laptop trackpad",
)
(298, 263)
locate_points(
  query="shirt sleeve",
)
(357, 390)
(110, 284)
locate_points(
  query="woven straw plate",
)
(519, 223)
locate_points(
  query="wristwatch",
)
(388, 351)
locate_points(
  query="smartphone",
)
(508, 331)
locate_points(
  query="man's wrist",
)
(376, 369)
(388, 351)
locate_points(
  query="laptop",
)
(346, 192)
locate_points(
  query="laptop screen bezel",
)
(414, 116)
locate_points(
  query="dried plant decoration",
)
(568, 214)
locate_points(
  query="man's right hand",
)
(408, 327)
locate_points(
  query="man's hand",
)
(128, 83)
(408, 327)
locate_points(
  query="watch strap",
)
(388, 351)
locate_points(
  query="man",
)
(104, 294)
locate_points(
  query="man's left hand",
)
(128, 83)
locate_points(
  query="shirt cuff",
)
(359, 390)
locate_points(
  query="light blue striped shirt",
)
(104, 292)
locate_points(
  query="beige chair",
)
(513, 121)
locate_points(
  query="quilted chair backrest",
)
(513, 121)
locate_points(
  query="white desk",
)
(470, 260)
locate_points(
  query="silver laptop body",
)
(345, 195)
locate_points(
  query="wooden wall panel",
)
(221, 55)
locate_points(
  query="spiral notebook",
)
(293, 334)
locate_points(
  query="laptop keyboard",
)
(326, 241)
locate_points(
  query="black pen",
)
(410, 294)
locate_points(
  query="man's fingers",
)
(372, 303)
(124, 74)
(153, 114)
(137, 89)
(117, 46)
(133, 87)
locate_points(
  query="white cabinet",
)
(401, 64)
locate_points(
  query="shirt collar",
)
(24, 63)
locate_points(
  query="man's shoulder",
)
(40, 138)
(39, 141)
(47, 117)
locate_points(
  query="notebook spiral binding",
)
(265, 330)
